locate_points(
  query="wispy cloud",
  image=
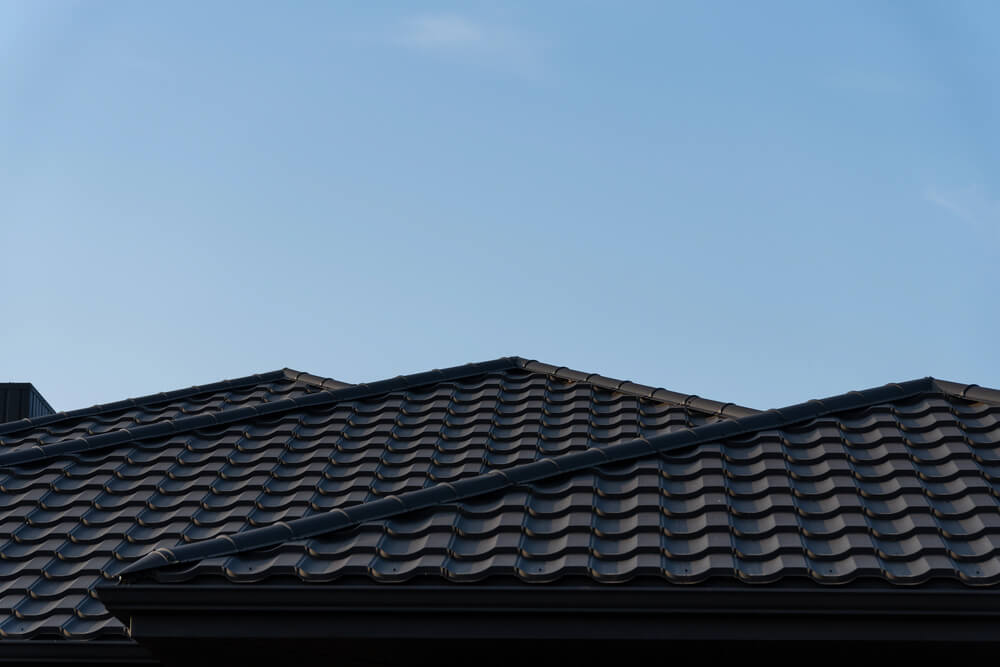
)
(970, 204)
(471, 40)
(443, 32)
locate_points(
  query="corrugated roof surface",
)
(904, 490)
(76, 515)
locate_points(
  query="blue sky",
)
(755, 202)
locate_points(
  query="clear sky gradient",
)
(759, 202)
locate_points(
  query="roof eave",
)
(621, 612)
(74, 652)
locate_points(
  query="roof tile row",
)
(80, 517)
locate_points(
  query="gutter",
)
(74, 652)
(373, 613)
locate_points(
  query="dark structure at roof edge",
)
(22, 401)
(497, 480)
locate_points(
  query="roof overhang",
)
(74, 652)
(415, 622)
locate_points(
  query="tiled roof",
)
(165, 406)
(65, 519)
(87, 493)
(899, 484)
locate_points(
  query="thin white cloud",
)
(970, 204)
(443, 32)
(471, 40)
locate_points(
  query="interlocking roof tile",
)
(900, 483)
(84, 498)
(165, 406)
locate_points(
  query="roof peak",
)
(337, 392)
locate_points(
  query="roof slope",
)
(899, 483)
(79, 510)
(164, 406)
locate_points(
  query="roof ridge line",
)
(315, 380)
(100, 408)
(22, 455)
(496, 480)
(170, 427)
(731, 410)
(969, 392)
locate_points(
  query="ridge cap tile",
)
(430, 496)
(530, 472)
(315, 524)
(967, 391)
(624, 386)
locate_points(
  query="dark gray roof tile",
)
(119, 503)
(892, 491)
(821, 498)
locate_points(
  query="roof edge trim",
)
(497, 480)
(315, 380)
(730, 410)
(969, 392)
(235, 383)
(73, 652)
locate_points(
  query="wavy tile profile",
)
(504, 469)
(86, 494)
(904, 491)
(165, 406)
